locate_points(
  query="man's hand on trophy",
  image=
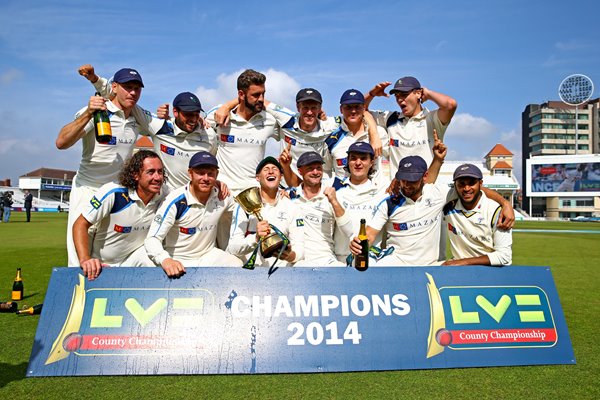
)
(288, 254)
(262, 229)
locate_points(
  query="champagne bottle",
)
(102, 125)
(361, 261)
(37, 309)
(17, 290)
(8, 307)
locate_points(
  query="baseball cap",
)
(361, 147)
(411, 168)
(187, 101)
(127, 75)
(308, 158)
(467, 171)
(352, 96)
(309, 94)
(203, 158)
(266, 161)
(406, 84)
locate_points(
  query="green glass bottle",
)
(17, 290)
(37, 309)
(361, 261)
(102, 126)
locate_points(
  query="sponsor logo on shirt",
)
(167, 150)
(227, 138)
(113, 141)
(404, 226)
(341, 162)
(290, 140)
(360, 207)
(452, 229)
(187, 231)
(400, 226)
(412, 143)
(95, 202)
(300, 222)
(158, 219)
(122, 229)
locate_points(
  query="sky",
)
(494, 57)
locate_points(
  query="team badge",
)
(95, 202)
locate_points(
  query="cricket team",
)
(175, 207)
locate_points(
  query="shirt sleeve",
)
(148, 123)
(502, 254)
(239, 242)
(224, 228)
(281, 114)
(102, 87)
(380, 217)
(385, 141)
(437, 124)
(344, 223)
(160, 227)
(99, 205)
(380, 117)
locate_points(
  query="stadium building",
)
(561, 160)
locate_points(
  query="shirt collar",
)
(191, 199)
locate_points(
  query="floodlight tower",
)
(575, 90)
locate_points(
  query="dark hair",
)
(250, 77)
(371, 169)
(134, 166)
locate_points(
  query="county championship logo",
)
(488, 317)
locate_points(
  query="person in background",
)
(28, 204)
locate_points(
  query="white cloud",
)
(20, 146)
(10, 75)
(571, 45)
(468, 126)
(509, 136)
(281, 89)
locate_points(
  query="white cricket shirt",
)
(474, 233)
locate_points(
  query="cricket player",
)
(277, 210)
(122, 213)
(185, 230)
(472, 223)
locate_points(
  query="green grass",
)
(40, 245)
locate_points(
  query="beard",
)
(256, 107)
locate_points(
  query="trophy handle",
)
(258, 216)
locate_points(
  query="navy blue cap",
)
(127, 75)
(406, 84)
(352, 96)
(309, 94)
(203, 158)
(467, 171)
(308, 158)
(411, 168)
(266, 161)
(361, 147)
(187, 101)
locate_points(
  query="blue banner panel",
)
(137, 321)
